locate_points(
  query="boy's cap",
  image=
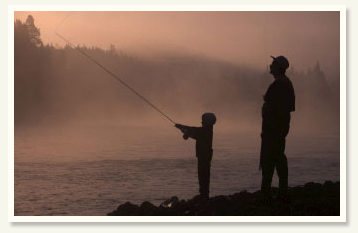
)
(208, 118)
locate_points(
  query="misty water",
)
(90, 170)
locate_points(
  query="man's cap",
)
(208, 118)
(281, 62)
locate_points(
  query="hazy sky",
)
(240, 37)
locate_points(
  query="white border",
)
(13, 8)
(343, 171)
(343, 115)
(10, 112)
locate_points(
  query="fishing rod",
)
(108, 71)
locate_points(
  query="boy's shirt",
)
(204, 140)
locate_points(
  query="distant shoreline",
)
(311, 199)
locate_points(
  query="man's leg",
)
(268, 168)
(282, 167)
(266, 163)
(282, 172)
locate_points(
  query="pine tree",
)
(34, 32)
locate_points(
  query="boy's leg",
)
(204, 165)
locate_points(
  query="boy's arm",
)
(188, 131)
(182, 128)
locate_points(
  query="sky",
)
(246, 38)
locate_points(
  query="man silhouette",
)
(279, 102)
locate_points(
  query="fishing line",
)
(108, 71)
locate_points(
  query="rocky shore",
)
(312, 199)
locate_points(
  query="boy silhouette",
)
(204, 151)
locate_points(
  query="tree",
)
(34, 32)
(112, 49)
(30, 62)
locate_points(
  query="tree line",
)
(59, 84)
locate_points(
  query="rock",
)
(127, 209)
(170, 202)
(312, 199)
(312, 185)
(328, 183)
(147, 209)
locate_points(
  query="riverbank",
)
(311, 199)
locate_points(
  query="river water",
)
(90, 171)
